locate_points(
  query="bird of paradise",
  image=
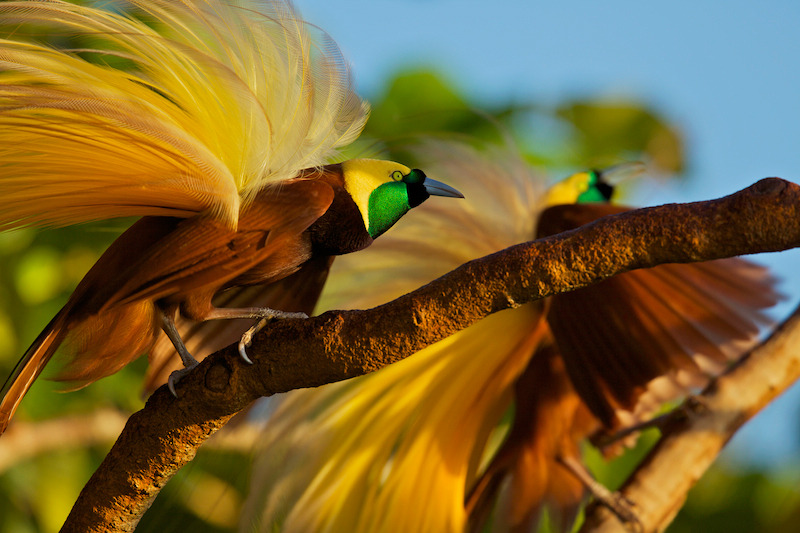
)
(426, 445)
(215, 122)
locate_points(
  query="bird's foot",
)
(178, 375)
(266, 316)
(618, 504)
(622, 508)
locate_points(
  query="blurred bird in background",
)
(214, 122)
(479, 428)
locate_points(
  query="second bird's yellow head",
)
(593, 185)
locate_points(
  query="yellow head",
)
(591, 186)
(384, 191)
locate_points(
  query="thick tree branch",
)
(701, 428)
(337, 345)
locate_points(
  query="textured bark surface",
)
(337, 345)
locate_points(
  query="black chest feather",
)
(341, 229)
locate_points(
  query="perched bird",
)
(211, 120)
(479, 427)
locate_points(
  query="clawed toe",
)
(268, 316)
(176, 376)
(247, 339)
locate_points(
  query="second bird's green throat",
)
(597, 190)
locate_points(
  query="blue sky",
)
(726, 72)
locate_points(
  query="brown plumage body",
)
(598, 354)
(176, 266)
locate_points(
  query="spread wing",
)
(620, 334)
(173, 108)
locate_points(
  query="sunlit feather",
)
(166, 107)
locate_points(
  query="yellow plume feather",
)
(172, 109)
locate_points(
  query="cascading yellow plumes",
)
(343, 458)
(176, 107)
(339, 457)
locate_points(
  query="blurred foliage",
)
(38, 269)
(574, 134)
(612, 128)
(726, 500)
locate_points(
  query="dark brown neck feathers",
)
(341, 229)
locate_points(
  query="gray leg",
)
(189, 362)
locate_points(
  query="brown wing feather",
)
(29, 367)
(200, 252)
(626, 344)
(296, 293)
(620, 334)
(111, 317)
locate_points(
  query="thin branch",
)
(25, 440)
(337, 345)
(689, 445)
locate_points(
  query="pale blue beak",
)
(437, 188)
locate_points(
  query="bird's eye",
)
(397, 175)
